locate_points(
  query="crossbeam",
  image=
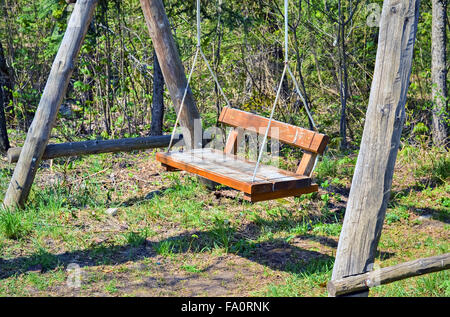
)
(99, 146)
(362, 282)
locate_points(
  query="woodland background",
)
(134, 229)
(117, 84)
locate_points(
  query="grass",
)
(329, 229)
(14, 224)
(111, 287)
(191, 268)
(184, 241)
(397, 214)
(313, 275)
(164, 248)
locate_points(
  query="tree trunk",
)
(385, 116)
(276, 60)
(439, 72)
(5, 97)
(158, 98)
(217, 60)
(54, 92)
(343, 78)
(301, 79)
(173, 70)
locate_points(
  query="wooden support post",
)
(172, 69)
(385, 116)
(389, 274)
(99, 146)
(55, 89)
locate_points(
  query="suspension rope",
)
(182, 101)
(270, 122)
(213, 75)
(289, 71)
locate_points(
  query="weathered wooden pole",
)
(385, 116)
(172, 69)
(362, 282)
(55, 89)
(99, 146)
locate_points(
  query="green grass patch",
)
(191, 268)
(310, 279)
(329, 229)
(397, 214)
(165, 248)
(15, 224)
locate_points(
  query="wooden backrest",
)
(307, 140)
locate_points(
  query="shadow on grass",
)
(274, 253)
(135, 200)
(418, 187)
(279, 254)
(440, 214)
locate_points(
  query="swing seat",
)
(228, 169)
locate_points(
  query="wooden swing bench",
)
(226, 168)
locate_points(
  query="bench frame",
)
(312, 143)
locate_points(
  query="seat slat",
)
(233, 171)
(265, 171)
(281, 193)
(216, 165)
(226, 177)
(280, 179)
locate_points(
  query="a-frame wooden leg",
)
(172, 68)
(55, 89)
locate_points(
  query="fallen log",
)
(363, 282)
(99, 146)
